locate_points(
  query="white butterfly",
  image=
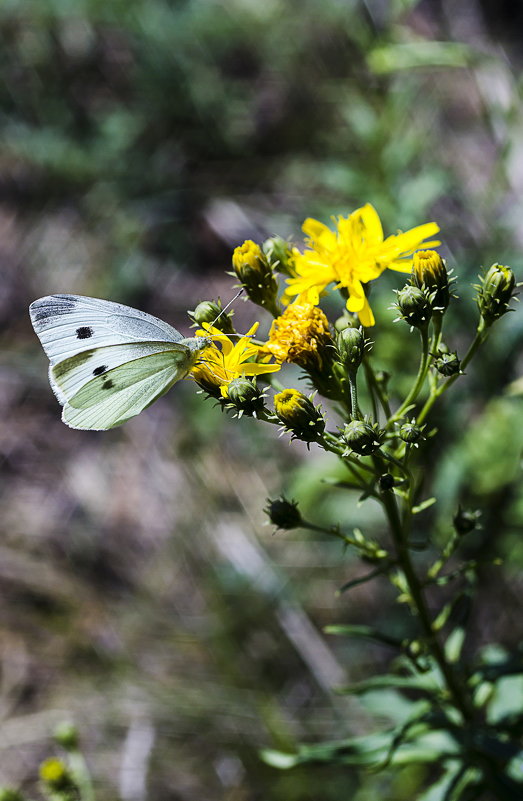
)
(109, 361)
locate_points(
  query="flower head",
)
(429, 272)
(351, 256)
(221, 363)
(300, 335)
(495, 293)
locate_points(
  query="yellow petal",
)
(366, 316)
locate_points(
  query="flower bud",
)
(495, 292)
(279, 255)
(55, 774)
(244, 396)
(210, 312)
(362, 437)
(386, 482)
(465, 521)
(350, 344)
(254, 271)
(447, 363)
(411, 433)
(283, 513)
(414, 306)
(66, 735)
(429, 273)
(299, 415)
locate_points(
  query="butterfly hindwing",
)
(71, 324)
(111, 399)
(70, 375)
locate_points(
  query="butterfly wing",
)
(108, 361)
(70, 324)
(111, 398)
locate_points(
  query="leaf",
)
(362, 579)
(367, 632)
(393, 58)
(423, 505)
(421, 683)
(278, 759)
(454, 644)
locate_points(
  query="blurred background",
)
(142, 596)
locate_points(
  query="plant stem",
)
(420, 378)
(481, 335)
(400, 536)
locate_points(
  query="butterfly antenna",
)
(226, 307)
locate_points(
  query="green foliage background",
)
(142, 596)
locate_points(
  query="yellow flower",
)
(221, 363)
(352, 255)
(300, 335)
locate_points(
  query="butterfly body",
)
(108, 361)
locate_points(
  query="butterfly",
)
(109, 362)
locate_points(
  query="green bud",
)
(210, 312)
(279, 255)
(255, 273)
(414, 306)
(66, 735)
(362, 437)
(429, 273)
(411, 433)
(495, 292)
(350, 344)
(447, 363)
(386, 482)
(245, 397)
(299, 415)
(283, 513)
(465, 521)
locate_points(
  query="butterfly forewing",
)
(71, 324)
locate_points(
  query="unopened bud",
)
(411, 433)
(66, 735)
(279, 255)
(254, 271)
(283, 513)
(495, 292)
(245, 397)
(350, 344)
(447, 364)
(55, 774)
(299, 415)
(210, 312)
(362, 437)
(386, 482)
(429, 273)
(414, 306)
(465, 521)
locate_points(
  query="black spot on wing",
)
(107, 384)
(84, 332)
(100, 370)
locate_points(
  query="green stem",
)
(400, 537)
(481, 335)
(420, 378)
(356, 414)
(375, 388)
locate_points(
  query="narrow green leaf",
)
(367, 632)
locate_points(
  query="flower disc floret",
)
(355, 253)
(300, 335)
